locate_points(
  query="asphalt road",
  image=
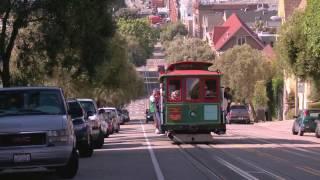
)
(259, 151)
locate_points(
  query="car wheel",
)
(100, 141)
(300, 132)
(294, 132)
(86, 150)
(70, 170)
(107, 135)
(318, 131)
(118, 129)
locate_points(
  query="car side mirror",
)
(101, 111)
(89, 113)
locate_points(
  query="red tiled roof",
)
(230, 28)
(218, 31)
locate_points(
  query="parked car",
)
(99, 126)
(121, 117)
(126, 115)
(306, 121)
(107, 117)
(36, 131)
(81, 127)
(149, 116)
(318, 129)
(239, 114)
(115, 118)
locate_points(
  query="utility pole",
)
(296, 112)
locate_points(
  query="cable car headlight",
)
(193, 114)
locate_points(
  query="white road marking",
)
(153, 156)
(260, 169)
(236, 169)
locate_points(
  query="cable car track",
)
(201, 166)
(211, 173)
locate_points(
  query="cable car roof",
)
(190, 73)
(189, 65)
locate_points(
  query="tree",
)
(140, 36)
(242, 68)
(171, 30)
(292, 46)
(127, 13)
(194, 49)
(72, 33)
(311, 27)
(15, 15)
(260, 99)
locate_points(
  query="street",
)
(260, 151)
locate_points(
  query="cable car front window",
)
(210, 89)
(174, 90)
(193, 88)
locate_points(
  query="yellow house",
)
(285, 9)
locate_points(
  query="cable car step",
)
(191, 138)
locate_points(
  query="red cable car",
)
(192, 99)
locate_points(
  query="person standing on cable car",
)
(154, 106)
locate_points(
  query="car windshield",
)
(238, 108)
(75, 109)
(88, 106)
(22, 102)
(314, 114)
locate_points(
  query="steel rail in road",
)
(213, 173)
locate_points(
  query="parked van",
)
(36, 131)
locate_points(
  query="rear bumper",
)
(39, 157)
(308, 129)
(203, 128)
(237, 120)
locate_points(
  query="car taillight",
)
(174, 113)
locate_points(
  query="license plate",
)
(18, 158)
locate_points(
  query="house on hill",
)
(233, 32)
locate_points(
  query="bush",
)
(260, 98)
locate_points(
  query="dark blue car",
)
(81, 127)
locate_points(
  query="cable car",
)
(191, 100)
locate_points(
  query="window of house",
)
(241, 40)
(193, 88)
(174, 91)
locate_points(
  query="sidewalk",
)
(284, 125)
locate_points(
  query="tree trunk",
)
(253, 112)
(5, 76)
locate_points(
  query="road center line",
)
(153, 156)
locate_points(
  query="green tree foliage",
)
(71, 44)
(15, 16)
(311, 25)
(141, 38)
(171, 30)
(299, 45)
(260, 99)
(292, 46)
(73, 33)
(243, 67)
(127, 13)
(181, 49)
